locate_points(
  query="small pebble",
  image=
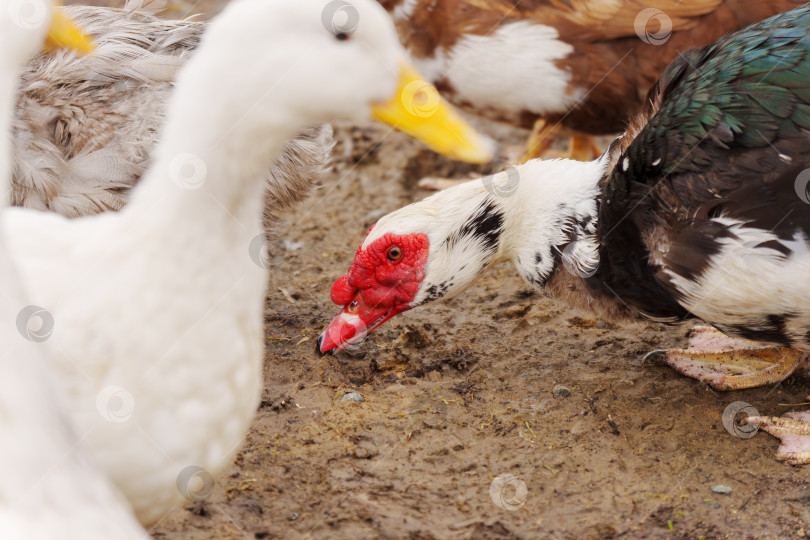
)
(293, 516)
(560, 391)
(292, 245)
(352, 396)
(722, 488)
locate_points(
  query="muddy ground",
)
(462, 391)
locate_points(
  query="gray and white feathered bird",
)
(85, 126)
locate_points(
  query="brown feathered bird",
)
(561, 65)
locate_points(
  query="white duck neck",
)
(8, 101)
(214, 153)
(553, 217)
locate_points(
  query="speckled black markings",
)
(486, 225)
(572, 228)
(436, 291)
(538, 280)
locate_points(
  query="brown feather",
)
(610, 62)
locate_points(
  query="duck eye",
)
(395, 253)
(353, 306)
(342, 36)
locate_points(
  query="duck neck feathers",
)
(194, 170)
(540, 215)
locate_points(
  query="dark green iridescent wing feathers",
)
(730, 137)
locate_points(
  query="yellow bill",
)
(64, 33)
(418, 110)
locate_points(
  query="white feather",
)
(50, 487)
(745, 282)
(478, 68)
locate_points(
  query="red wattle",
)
(342, 292)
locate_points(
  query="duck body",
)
(710, 190)
(584, 64)
(51, 488)
(700, 209)
(153, 398)
(135, 363)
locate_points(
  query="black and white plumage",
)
(701, 209)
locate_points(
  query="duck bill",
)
(418, 110)
(351, 327)
(64, 33)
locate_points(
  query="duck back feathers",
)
(708, 176)
(84, 125)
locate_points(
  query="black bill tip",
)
(318, 346)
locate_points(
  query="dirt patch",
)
(460, 394)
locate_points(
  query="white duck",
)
(85, 125)
(157, 309)
(50, 489)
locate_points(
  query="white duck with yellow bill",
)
(158, 309)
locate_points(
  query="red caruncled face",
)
(382, 281)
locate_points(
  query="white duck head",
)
(284, 65)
